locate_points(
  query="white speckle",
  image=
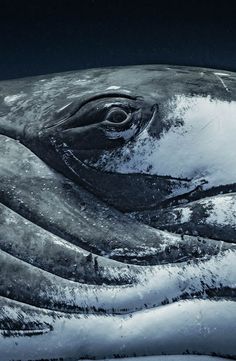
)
(10, 99)
(126, 134)
(113, 87)
(82, 81)
(64, 107)
(222, 74)
(185, 215)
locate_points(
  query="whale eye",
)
(116, 116)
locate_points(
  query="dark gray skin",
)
(80, 221)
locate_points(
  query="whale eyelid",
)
(101, 96)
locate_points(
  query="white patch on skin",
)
(224, 210)
(127, 134)
(201, 148)
(11, 99)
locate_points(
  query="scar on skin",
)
(219, 75)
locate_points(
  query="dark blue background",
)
(38, 37)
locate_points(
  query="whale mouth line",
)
(151, 176)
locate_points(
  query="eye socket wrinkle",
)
(77, 107)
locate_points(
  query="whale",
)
(118, 214)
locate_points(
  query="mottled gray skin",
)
(97, 263)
